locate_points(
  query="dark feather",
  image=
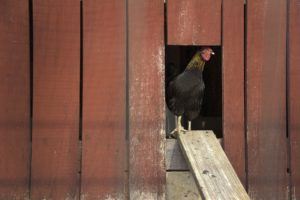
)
(185, 94)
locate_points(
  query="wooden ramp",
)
(213, 173)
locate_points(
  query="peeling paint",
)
(15, 196)
(114, 197)
(293, 195)
(182, 19)
(69, 197)
(107, 197)
(138, 195)
(162, 149)
(160, 60)
(83, 196)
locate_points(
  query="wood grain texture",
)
(14, 100)
(181, 186)
(174, 158)
(233, 84)
(293, 95)
(146, 99)
(213, 173)
(266, 99)
(103, 161)
(56, 81)
(194, 22)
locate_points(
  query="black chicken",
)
(184, 94)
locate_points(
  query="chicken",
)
(184, 94)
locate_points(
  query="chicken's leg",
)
(189, 125)
(172, 133)
(179, 128)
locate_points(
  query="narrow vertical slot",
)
(245, 94)
(289, 165)
(81, 70)
(127, 115)
(30, 11)
(80, 97)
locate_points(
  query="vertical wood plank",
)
(104, 120)
(14, 100)
(194, 22)
(146, 99)
(266, 99)
(233, 84)
(55, 133)
(294, 96)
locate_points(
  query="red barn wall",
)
(82, 94)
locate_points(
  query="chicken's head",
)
(206, 53)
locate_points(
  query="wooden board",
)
(174, 157)
(56, 83)
(293, 95)
(104, 128)
(14, 100)
(181, 186)
(213, 173)
(233, 84)
(194, 22)
(146, 99)
(266, 99)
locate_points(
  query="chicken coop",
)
(82, 95)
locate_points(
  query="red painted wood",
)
(293, 95)
(55, 152)
(104, 100)
(14, 100)
(194, 22)
(233, 84)
(266, 99)
(146, 99)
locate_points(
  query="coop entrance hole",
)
(210, 118)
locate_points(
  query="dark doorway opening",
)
(210, 118)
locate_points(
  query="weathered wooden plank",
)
(214, 175)
(194, 22)
(56, 79)
(293, 95)
(174, 156)
(233, 84)
(104, 72)
(14, 100)
(181, 185)
(266, 99)
(146, 99)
